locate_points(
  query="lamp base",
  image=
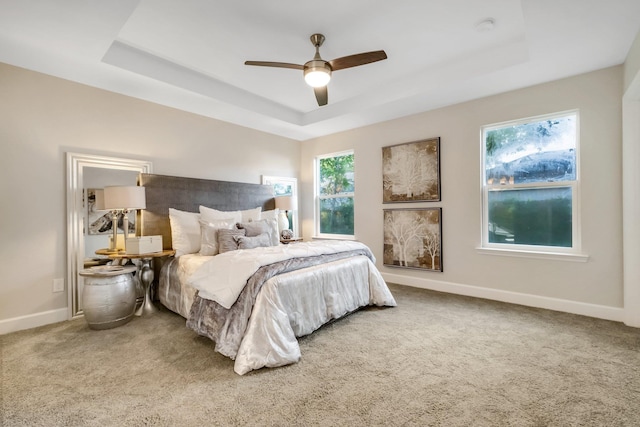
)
(119, 245)
(283, 221)
(114, 232)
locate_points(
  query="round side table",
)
(108, 296)
(144, 272)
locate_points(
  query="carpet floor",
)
(435, 360)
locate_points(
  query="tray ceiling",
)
(190, 54)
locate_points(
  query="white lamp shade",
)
(286, 203)
(124, 197)
(99, 201)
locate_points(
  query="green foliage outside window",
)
(336, 216)
(336, 187)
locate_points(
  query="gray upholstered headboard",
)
(187, 194)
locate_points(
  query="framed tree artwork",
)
(413, 238)
(411, 172)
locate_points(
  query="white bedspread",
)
(222, 278)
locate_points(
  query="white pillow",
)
(273, 231)
(209, 235)
(272, 214)
(210, 214)
(251, 214)
(185, 231)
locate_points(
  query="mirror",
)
(85, 172)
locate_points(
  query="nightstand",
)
(292, 240)
(108, 296)
(144, 273)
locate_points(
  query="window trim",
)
(573, 253)
(317, 197)
(557, 256)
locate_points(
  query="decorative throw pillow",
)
(209, 235)
(268, 226)
(253, 228)
(185, 231)
(245, 242)
(226, 241)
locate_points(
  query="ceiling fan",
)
(317, 72)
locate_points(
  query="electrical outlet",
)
(58, 285)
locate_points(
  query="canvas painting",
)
(99, 222)
(282, 186)
(411, 172)
(413, 238)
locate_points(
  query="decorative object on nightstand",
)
(144, 272)
(121, 200)
(290, 240)
(285, 204)
(144, 245)
(108, 296)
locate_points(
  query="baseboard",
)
(33, 320)
(584, 309)
(591, 310)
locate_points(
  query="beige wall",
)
(566, 285)
(42, 118)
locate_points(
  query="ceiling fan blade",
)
(275, 64)
(357, 59)
(321, 95)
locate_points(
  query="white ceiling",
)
(190, 54)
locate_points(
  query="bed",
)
(255, 299)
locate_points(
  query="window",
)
(334, 195)
(530, 184)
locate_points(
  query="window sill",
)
(556, 256)
(335, 237)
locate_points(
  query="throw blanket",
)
(226, 326)
(222, 278)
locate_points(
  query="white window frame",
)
(572, 253)
(318, 197)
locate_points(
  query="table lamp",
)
(122, 200)
(285, 204)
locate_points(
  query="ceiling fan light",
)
(317, 78)
(317, 73)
